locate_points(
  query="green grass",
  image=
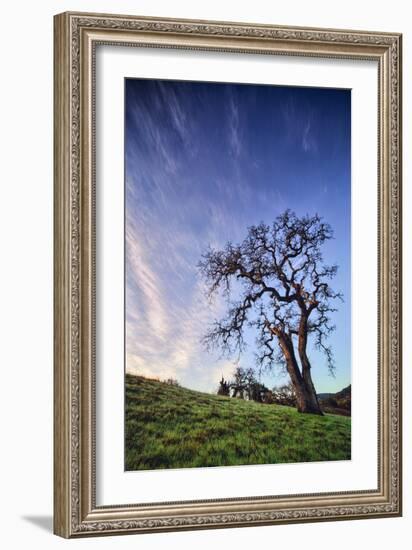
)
(174, 427)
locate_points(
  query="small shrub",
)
(172, 382)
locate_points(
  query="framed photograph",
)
(227, 274)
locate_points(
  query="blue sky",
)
(203, 162)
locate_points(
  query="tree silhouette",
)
(224, 387)
(276, 281)
(243, 385)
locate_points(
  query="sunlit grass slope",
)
(174, 427)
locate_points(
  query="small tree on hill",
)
(172, 382)
(224, 387)
(284, 395)
(239, 383)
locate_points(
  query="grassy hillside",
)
(173, 427)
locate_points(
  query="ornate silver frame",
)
(75, 38)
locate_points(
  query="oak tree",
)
(276, 282)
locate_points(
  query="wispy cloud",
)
(177, 115)
(300, 130)
(142, 276)
(234, 127)
(308, 141)
(166, 340)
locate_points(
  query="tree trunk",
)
(306, 399)
(306, 368)
(311, 399)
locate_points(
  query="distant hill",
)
(168, 426)
(337, 403)
(324, 395)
